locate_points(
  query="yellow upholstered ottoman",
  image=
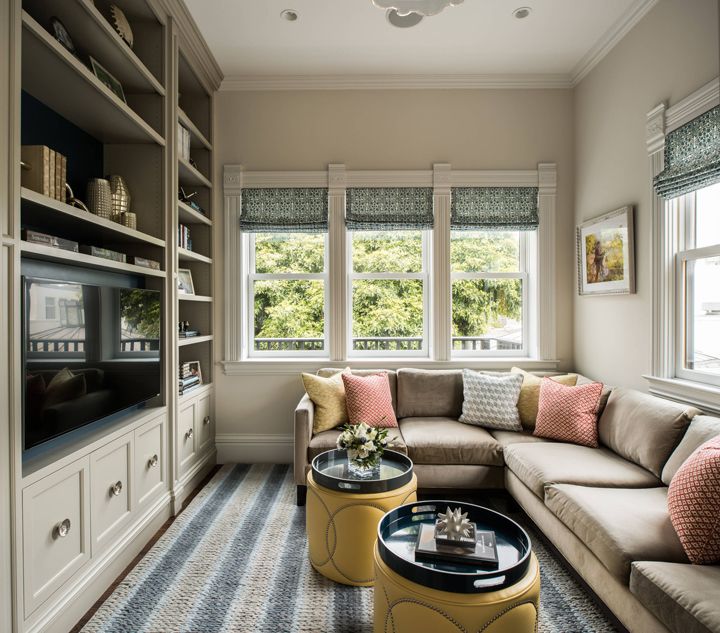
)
(342, 527)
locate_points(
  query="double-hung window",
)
(491, 260)
(388, 270)
(287, 282)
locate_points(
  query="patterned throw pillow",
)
(530, 394)
(369, 400)
(568, 414)
(490, 400)
(328, 396)
(694, 504)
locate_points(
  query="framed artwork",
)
(194, 369)
(606, 254)
(105, 77)
(185, 282)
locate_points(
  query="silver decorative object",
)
(454, 528)
(120, 197)
(99, 197)
(129, 220)
(121, 25)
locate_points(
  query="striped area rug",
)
(236, 561)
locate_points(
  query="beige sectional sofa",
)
(604, 509)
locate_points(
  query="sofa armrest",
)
(304, 414)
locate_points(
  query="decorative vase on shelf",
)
(99, 197)
(120, 197)
(365, 446)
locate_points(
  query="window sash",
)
(424, 276)
(252, 277)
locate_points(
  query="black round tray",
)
(330, 470)
(397, 535)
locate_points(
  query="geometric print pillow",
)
(369, 400)
(490, 400)
(694, 504)
(568, 414)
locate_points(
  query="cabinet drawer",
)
(150, 459)
(186, 436)
(111, 498)
(56, 531)
(204, 426)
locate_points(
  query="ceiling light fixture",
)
(403, 21)
(522, 13)
(290, 15)
(424, 8)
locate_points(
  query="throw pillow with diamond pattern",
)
(694, 504)
(490, 400)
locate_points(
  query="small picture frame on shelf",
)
(194, 369)
(61, 35)
(185, 282)
(108, 79)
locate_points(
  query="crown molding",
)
(395, 82)
(706, 97)
(637, 11)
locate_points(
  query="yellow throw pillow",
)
(328, 395)
(530, 394)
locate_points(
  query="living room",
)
(490, 232)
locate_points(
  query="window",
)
(388, 292)
(697, 296)
(50, 309)
(287, 292)
(489, 293)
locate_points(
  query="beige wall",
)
(669, 54)
(471, 129)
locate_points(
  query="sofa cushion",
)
(327, 441)
(568, 414)
(701, 429)
(429, 393)
(369, 400)
(607, 390)
(506, 438)
(538, 465)
(527, 403)
(328, 396)
(683, 597)
(392, 378)
(643, 428)
(490, 400)
(439, 440)
(619, 525)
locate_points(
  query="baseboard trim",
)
(86, 588)
(252, 448)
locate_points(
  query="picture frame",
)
(105, 77)
(195, 369)
(606, 254)
(185, 284)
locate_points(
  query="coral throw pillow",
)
(529, 398)
(568, 414)
(328, 396)
(694, 504)
(369, 400)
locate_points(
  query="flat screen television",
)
(91, 348)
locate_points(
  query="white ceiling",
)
(351, 39)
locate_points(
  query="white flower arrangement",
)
(365, 445)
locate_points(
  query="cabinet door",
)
(56, 531)
(150, 459)
(204, 426)
(186, 436)
(111, 499)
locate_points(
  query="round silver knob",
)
(206, 420)
(153, 461)
(189, 434)
(116, 488)
(63, 529)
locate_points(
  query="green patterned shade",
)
(692, 156)
(389, 208)
(494, 209)
(286, 210)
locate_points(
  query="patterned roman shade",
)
(494, 209)
(388, 208)
(286, 210)
(692, 156)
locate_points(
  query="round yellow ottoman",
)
(342, 529)
(403, 606)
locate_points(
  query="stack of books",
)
(35, 237)
(44, 170)
(189, 379)
(183, 143)
(184, 240)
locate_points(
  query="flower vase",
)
(358, 469)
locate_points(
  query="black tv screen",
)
(91, 348)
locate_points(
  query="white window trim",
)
(541, 287)
(667, 242)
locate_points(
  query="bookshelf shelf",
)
(194, 340)
(188, 215)
(197, 138)
(195, 298)
(191, 256)
(188, 175)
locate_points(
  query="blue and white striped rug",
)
(236, 561)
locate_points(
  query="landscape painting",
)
(606, 254)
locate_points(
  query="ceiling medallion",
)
(424, 8)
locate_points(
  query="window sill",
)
(700, 395)
(296, 365)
